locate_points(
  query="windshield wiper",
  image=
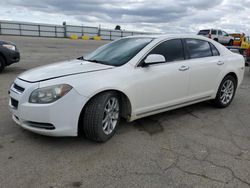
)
(97, 61)
(93, 60)
(81, 58)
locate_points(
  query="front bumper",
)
(59, 118)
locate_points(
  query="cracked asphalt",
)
(195, 146)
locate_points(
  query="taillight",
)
(209, 35)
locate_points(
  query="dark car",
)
(9, 54)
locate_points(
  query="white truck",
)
(217, 35)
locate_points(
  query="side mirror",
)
(154, 58)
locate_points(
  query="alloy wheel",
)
(227, 92)
(110, 116)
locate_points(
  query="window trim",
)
(215, 48)
(141, 61)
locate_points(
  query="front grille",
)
(39, 125)
(18, 88)
(14, 103)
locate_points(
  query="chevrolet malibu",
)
(129, 78)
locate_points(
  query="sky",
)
(162, 16)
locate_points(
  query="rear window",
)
(204, 32)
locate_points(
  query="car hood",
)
(61, 69)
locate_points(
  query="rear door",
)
(205, 67)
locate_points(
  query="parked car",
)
(9, 54)
(132, 77)
(218, 35)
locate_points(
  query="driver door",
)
(163, 85)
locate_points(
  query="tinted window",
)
(219, 32)
(198, 48)
(172, 50)
(204, 32)
(214, 50)
(214, 32)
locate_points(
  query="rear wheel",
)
(216, 39)
(2, 63)
(101, 116)
(226, 92)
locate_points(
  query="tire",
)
(224, 98)
(2, 63)
(216, 40)
(231, 43)
(100, 118)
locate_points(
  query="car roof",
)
(170, 36)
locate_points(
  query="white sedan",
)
(132, 77)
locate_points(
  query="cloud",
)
(169, 16)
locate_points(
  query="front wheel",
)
(101, 116)
(226, 92)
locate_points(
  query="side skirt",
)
(171, 107)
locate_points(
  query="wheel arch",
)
(233, 74)
(125, 103)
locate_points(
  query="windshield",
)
(118, 52)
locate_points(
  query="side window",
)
(214, 50)
(214, 32)
(172, 50)
(219, 32)
(198, 48)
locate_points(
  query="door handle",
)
(183, 68)
(220, 63)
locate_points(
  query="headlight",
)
(9, 46)
(49, 94)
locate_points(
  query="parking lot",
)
(195, 146)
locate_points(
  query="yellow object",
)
(241, 40)
(245, 43)
(85, 37)
(97, 38)
(73, 37)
